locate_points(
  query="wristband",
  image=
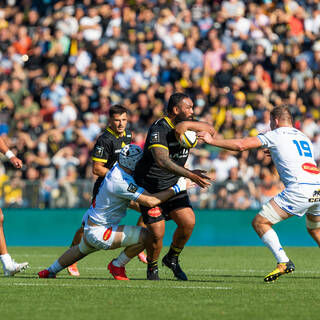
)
(9, 154)
(176, 189)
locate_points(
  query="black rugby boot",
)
(173, 264)
(152, 274)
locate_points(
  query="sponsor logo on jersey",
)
(107, 234)
(311, 168)
(98, 152)
(155, 137)
(132, 188)
(315, 196)
(155, 212)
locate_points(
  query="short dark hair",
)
(117, 109)
(175, 99)
(282, 113)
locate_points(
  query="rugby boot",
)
(153, 273)
(173, 264)
(73, 270)
(46, 274)
(119, 273)
(142, 257)
(15, 268)
(282, 268)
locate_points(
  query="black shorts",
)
(162, 212)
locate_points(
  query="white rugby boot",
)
(14, 268)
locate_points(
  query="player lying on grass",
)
(102, 229)
(292, 154)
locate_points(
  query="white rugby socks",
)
(271, 240)
(122, 260)
(6, 260)
(55, 267)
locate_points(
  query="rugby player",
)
(102, 229)
(292, 154)
(160, 167)
(10, 267)
(105, 154)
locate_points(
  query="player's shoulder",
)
(162, 124)
(106, 137)
(120, 179)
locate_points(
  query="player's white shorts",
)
(100, 237)
(298, 199)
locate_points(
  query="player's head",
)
(280, 116)
(180, 106)
(118, 118)
(129, 156)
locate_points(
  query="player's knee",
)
(257, 222)
(85, 248)
(187, 223)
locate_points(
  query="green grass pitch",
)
(224, 283)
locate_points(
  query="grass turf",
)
(224, 283)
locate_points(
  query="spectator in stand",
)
(97, 54)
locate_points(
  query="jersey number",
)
(303, 148)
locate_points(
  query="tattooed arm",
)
(163, 161)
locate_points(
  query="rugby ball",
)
(188, 139)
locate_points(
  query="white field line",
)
(47, 284)
(188, 270)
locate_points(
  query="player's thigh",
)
(270, 214)
(183, 217)
(112, 237)
(126, 236)
(1, 217)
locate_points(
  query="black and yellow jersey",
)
(147, 174)
(107, 149)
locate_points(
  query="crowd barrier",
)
(56, 227)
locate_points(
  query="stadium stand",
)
(64, 63)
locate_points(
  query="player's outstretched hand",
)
(205, 137)
(200, 179)
(16, 162)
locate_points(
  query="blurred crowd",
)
(64, 63)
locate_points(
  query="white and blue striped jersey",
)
(292, 154)
(116, 191)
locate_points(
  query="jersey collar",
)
(115, 134)
(169, 122)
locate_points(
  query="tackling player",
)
(105, 154)
(10, 267)
(102, 229)
(292, 154)
(160, 167)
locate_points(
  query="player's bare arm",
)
(151, 200)
(16, 162)
(99, 169)
(197, 126)
(163, 160)
(231, 144)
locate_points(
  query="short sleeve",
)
(128, 189)
(101, 150)
(267, 139)
(157, 137)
